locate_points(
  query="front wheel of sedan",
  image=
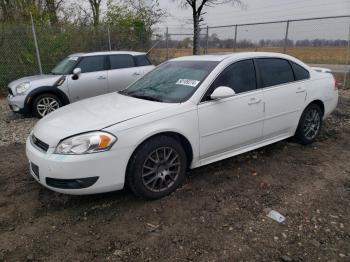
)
(310, 124)
(157, 168)
(45, 104)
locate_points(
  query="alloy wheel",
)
(161, 169)
(46, 105)
(312, 124)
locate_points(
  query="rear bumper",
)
(331, 103)
(78, 174)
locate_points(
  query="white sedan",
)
(188, 112)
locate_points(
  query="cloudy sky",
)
(266, 10)
(179, 19)
(257, 11)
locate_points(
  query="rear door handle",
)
(254, 100)
(101, 77)
(136, 74)
(300, 90)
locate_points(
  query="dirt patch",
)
(217, 215)
(14, 128)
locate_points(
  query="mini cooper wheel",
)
(310, 124)
(157, 168)
(45, 104)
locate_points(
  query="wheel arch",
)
(319, 103)
(45, 90)
(184, 141)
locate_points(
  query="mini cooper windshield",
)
(65, 66)
(171, 82)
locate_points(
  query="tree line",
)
(215, 42)
(124, 14)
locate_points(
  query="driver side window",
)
(92, 64)
(239, 76)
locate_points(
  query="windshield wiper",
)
(146, 97)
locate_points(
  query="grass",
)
(315, 55)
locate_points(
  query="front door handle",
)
(300, 90)
(136, 74)
(101, 77)
(254, 100)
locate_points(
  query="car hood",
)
(92, 114)
(35, 81)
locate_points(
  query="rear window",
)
(300, 72)
(121, 61)
(274, 71)
(142, 60)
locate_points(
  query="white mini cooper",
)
(186, 113)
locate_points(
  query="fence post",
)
(36, 45)
(207, 40)
(235, 40)
(286, 38)
(167, 43)
(109, 39)
(347, 60)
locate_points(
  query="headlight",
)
(22, 88)
(86, 143)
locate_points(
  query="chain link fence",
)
(315, 41)
(19, 58)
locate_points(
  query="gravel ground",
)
(219, 214)
(14, 128)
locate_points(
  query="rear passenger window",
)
(274, 71)
(121, 61)
(91, 64)
(142, 60)
(240, 76)
(300, 72)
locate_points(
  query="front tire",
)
(157, 168)
(45, 104)
(310, 124)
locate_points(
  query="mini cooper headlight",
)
(22, 88)
(87, 143)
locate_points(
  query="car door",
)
(284, 97)
(122, 72)
(229, 124)
(92, 81)
(143, 63)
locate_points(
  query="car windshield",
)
(65, 66)
(172, 82)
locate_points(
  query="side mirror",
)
(76, 73)
(222, 92)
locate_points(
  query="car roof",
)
(109, 53)
(222, 56)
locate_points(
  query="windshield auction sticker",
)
(187, 82)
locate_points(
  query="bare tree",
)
(149, 11)
(96, 10)
(52, 7)
(197, 15)
(18, 10)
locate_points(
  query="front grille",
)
(10, 91)
(40, 144)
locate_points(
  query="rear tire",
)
(45, 104)
(310, 124)
(157, 168)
